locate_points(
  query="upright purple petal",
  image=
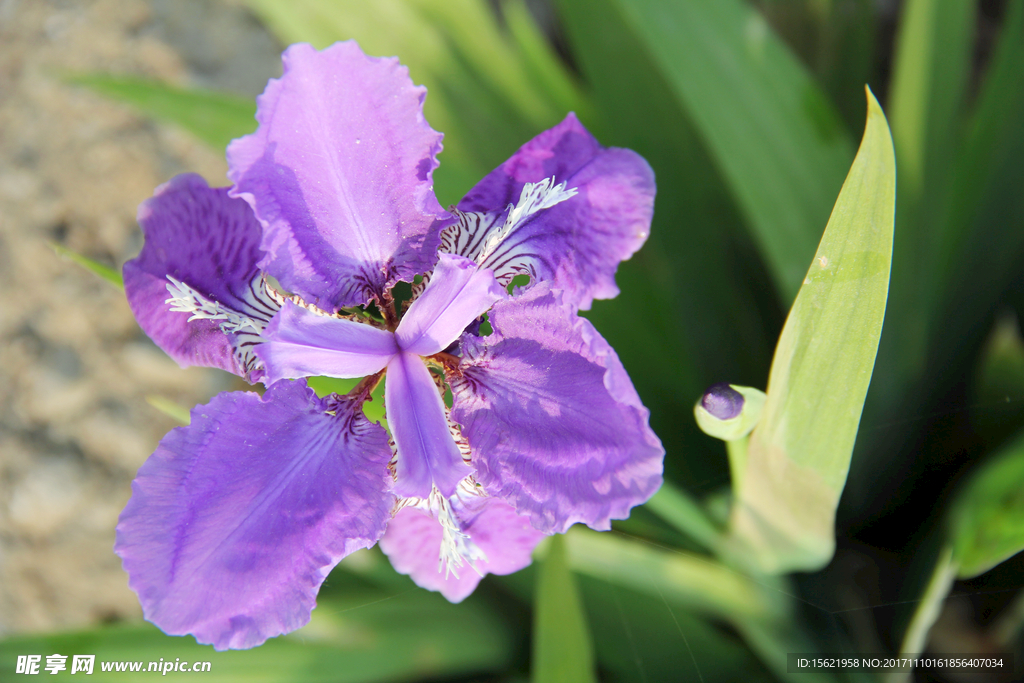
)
(413, 541)
(339, 171)
(554, 423)
(457, 294)
(427, 453)
(577, 243)
(210, 243)
(236, 519)
(300, 343)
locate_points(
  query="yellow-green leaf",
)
(800, 451)
(170, 408)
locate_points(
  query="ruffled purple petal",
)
(458, 293)
(427, 453)
(300, 343)
(576, 244)
(339, 171)
(210, 243)
(236, 519)
(552, 418)
(413, 540)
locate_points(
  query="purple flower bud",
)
(722, 401)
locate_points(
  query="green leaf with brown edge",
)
(799, 453)
(987, 515)
(216, 118)
(562, 649)
(106, 272)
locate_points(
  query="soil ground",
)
(75, 369)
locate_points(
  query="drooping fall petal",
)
(236, 519)
(507, 539)
(552, 418)
(209, 243)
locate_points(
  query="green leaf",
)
(932, 61)
(687, 579)
(685, 584)
(639, 637)
(708, 308)
(170, 408)
(562, 652)
(997, 405)
(772, 133)
(356, 638)
(543, 65)
(933, 56)
(106, 272)
(930, 606)
(678, 509)
(982, 236)
(987, 515)
(799, 453)
(216, 118)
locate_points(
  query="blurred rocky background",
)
(75, 369)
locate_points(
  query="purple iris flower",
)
(236, 519)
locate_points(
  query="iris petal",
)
(555, 425)
(427, 454)
(235, 520)
(507, 539)
(576, 244)
(300, 343)
(339, 171)
(209, 243)
(458, 293)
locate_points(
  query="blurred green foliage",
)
(747, 111)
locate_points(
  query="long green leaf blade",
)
(682, 512)
(987, 516)
(695, 581)
(982, 236)
(931, 65)
(933, 58)
(800, 451)
(216, 118)
(562, 650)
(773, 134)
(698, 262)
(106, 272)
